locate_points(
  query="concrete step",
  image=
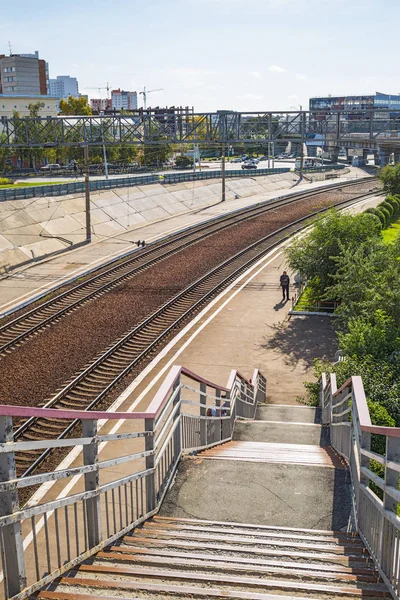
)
(289, 433)
(182, 558)
(286, 414)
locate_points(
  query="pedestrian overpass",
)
(209, 493)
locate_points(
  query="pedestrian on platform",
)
(285, 282)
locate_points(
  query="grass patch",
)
(390, 234)
(33, 184)
(305, 300)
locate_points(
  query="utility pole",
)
(87, 193)
(223, 172)
(302, 131)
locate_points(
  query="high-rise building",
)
(120, 99)
(100, 104)
(64, 86)
(24, 74)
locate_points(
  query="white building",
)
(120, 99)
(64, 86)
(20, 104)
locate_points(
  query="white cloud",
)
(300, 76)
(293, 97)
(256, 74)
(253, 97)
(276, 69)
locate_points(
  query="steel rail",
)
(18, 330)
(92, 384)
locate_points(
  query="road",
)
(205, 166)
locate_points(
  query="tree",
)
(315, 256)
(377, 337)
(5, 154)
(366, 279)
(183, 161)
(390, 177)
(75, 106)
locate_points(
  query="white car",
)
(50, 167)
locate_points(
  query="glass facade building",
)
(358, 104)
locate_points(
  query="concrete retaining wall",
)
(33, 228)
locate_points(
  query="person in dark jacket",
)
(285, 282)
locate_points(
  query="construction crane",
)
(144, 94)
(106, 87)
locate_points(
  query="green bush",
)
(372, 211)
(389, 207)
(386, 214)
(381, 215)
(5, 181)
(395, 202)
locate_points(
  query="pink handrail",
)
(150, 413)
(356, 384)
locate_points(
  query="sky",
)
(252, 55)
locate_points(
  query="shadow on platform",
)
(302, 339)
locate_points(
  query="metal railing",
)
(374, 475)
(179, 177)
(99, 185)
(121, 475)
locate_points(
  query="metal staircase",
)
(190, 558)
(188, 512)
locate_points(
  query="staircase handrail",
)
(376, 495)
(89, 520)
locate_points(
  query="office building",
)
(63, 87)
(357, 104)
(120, 99)
(23, 74)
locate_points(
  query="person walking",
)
(285, 282)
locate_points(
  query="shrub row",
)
(5, 181)
(387, 211)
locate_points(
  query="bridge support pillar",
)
(376, 158)
(366, 153)
(397, 156)
(334, 153)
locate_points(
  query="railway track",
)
(16, 331)
(92, 384)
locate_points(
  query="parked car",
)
(249, 165)
(50, 167)
(236, 160)
(255, 160)
(263, 158)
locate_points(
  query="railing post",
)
(219, 412)
(203, 421)
(178, 416)
(391, 476)
(91, 457)
(150, 479)
(12, 550)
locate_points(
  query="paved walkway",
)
(26, 283)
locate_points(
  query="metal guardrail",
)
(179, 177)
(346, 412)
(188, 413)
(78, 187)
